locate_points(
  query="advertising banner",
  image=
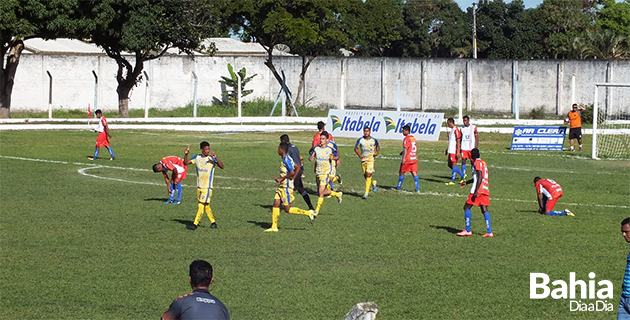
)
(384, 124)
(538, 138)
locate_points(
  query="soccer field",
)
(83, 239)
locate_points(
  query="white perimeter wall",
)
(425, 84)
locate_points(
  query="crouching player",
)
(205, 163)
(284, 193)
(549, 192)
(176, 165)
(479, 194)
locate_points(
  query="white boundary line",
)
(83, 170)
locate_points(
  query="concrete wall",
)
(487, 86)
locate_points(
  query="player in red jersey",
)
(409, 162)
(470, 140)
(321, 127)
(549, 192)
(479, 194)
(453, 150)
(103, 136)
(177, 166)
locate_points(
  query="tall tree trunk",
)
(7, 76)
(305, 66)
(127, 77)
(272, 68)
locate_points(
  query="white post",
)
(146, 94)
(461, 95)
(238, 96)
(50, 84)
(342, 86)
(594, 152)
(573, 89)
(195, 80)
(398, 93)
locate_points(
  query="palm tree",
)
(602, 44)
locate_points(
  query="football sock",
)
(96, 153)
(368, 184)
(199, 213)
(455, 172)
(320, 201)
(294, 210)
(464, 169)
(486, 215)
(179, 191)
(417, 181)
(111, 152)
(274, 217)
(468, 216)
(307, 199)
(557, 213)
(172, 192)
(209, 213)
(400, 181)
(334, 194)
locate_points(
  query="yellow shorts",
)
(367, 166)
(204, 195)
(323, 179)
(285, 195)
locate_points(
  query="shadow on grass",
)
(156, 199)
(184, 222)
(528, 211)
(448, 229)
(266, 206)
(267, 225)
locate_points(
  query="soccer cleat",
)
(168, 201)
(365, 196)
(340, 195)
(375, 188)
(580, 149)
(192, 227)
(272, 230)
(450, 183)
(315, 214)
(569, 213)
(176, 202)
(339, 179)
(91, 158)
(488, 235)
(213, 225)
(465, 233)
(112, 158)
(463, 178)
(311, 215)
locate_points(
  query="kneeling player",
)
(284, 193)
(549, 192)
(479, 194)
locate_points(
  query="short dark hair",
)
(97, 111)
(451, 120)
(406, 127)
(284, 138)
(200, 273)
(625, 221)
(575, 105)
(466, 117)
(284, 146)
(325, 134)
(474, 153)
(536, 179)
(320, 125)
(367, 127)
(204, 144)
(155, 168)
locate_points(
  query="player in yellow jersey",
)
(367, 148)
(284, 193)
(323, 155)
(205, 164)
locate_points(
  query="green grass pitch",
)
(84, 239)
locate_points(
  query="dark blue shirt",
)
(199, 304)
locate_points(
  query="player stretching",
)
(284, 193)
(369, 150)
(453, 150)
(205, 163)
(103, 136)
(549, 192)
(479, 194)
(175, 164)
(470, 140)
(323, 155)
(409, 162)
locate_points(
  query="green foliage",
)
(232, 82)
(97, 239)
(537, 113)
(615, 15)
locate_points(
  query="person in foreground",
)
(199, 304)
(479, 194)
(624, 300)
(549, 192)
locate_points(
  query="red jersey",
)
(480, 166)
(549, 188)
(174, 162)
(316, 138)
(409, 143)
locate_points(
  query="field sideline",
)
(93, 240)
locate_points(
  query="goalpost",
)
(611, 122)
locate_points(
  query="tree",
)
(563, 21)
(602, 44)
(375, 25)
(615, 16)
(147, 29)
(26, 19)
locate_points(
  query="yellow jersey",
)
(367, 148)
(322, 159)
(286, 166)
(205, 170)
